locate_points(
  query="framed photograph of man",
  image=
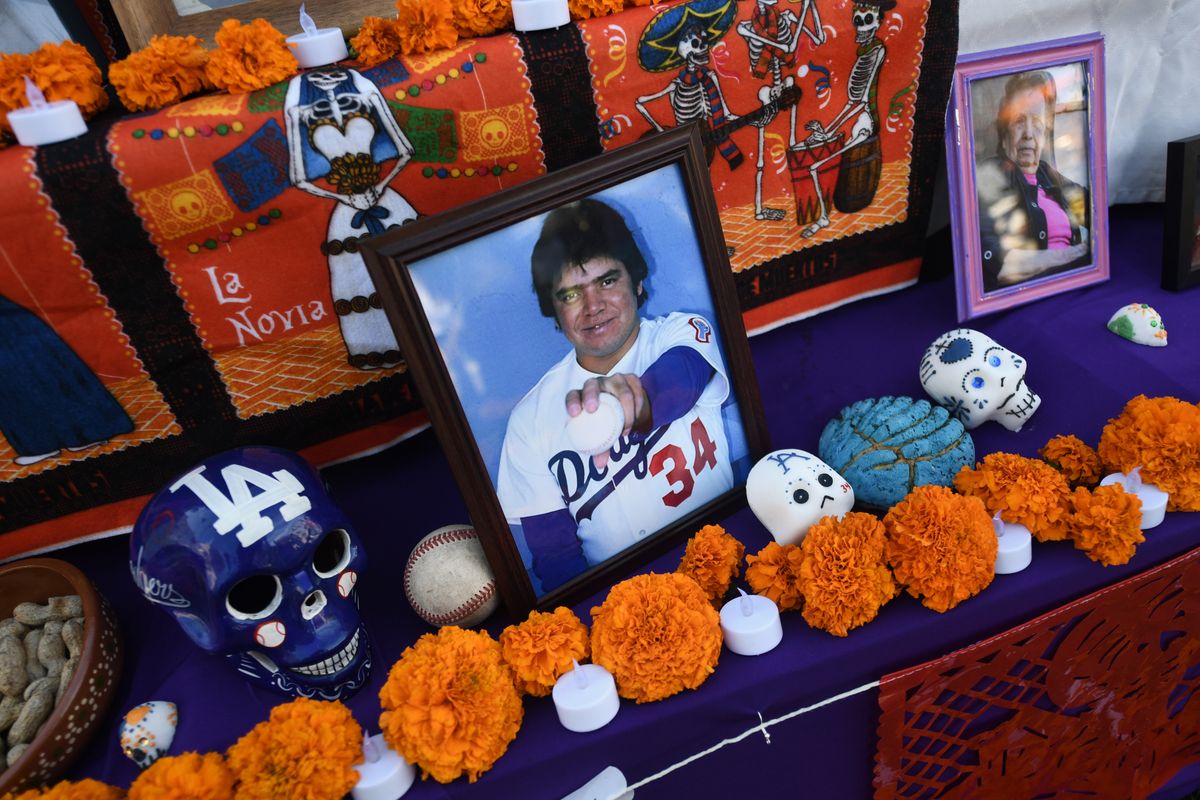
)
(1181, 221)
(579, 347)
(1025, 150)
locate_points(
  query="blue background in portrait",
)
(481, 306)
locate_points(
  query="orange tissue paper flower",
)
(1023, 490)
(189, 776)
(1107, 524)
(775, 574)
(712, 559)
(586, 9)
(657, 634)
(67, 71)
(425, 25)
(844, 578)
(1162, 436)
(941, 546)
(376, 41)
(306, 750)
(450, 704)
(86, 789)
(1077, 461)
(541, 649)
(12, 87)
(482, 17)
(160, 74)
(249, 57)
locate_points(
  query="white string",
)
(760, 728)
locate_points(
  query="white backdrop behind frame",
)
(479, 299)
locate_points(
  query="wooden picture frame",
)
(1008, 249)
(458, 292)
(1181, 219)
(142, 19)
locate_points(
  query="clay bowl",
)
(79, 713)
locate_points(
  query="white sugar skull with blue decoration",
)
(977, 380)
(255, 562)
(790, 490)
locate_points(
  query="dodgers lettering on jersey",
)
(649, 480)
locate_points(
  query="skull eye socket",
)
(825, 479)
(800, 496)
(255, 597)
(994, 360)
(333, 554)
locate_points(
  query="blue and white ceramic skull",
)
(254, 561)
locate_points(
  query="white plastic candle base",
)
(53, 122)
(1014, 550)
(751, 634)
(586, 698)
(323, 46)
(1154, 500)
(388, 778)
(537, 15)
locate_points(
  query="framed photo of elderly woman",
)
(1025, 149)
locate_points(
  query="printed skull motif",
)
(867, 19)
(977, 380)
(254, 561)
(147, 731)
(789, 490)
(693, 45)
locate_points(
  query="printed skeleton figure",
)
(695, 93)
(860, 98)
(771, 38)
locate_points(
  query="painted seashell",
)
(886, 446)
(148, 730)
(1139, 323)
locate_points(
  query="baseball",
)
(447, 579)
(595, 432)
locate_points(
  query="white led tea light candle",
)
(316, 47)
(44, 122)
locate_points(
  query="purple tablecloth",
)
(808, 371)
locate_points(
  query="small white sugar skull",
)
(789, 490)
(977, 380)
(148, 730)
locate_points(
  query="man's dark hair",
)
(1040, 81)
(575, 234)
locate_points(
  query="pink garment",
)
(1058, 226)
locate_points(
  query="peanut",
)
(10, 627)
(72, 634)
(32, 665)
(13, 677)
(35, 711)
(68, 669)
(51, 646)
(32, 614)
(41, 684)
(65, 607)
(16, 753)
(10, 707)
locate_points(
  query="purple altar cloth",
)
(808, 371)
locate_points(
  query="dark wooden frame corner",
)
(1179, 217)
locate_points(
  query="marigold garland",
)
(425, 25)
(941, 546)
(12, 87)
(1075, 459)
(306, 750)
(540, 650)
(1107, 524)
(774, 572)
(249, 57)
(482, 17)
(450, 704)
(376, 41)
(67, 71)
(1162, 436)
(712, 559)
(586, 9)
(844, 577)
(189, 776)
(162, 73)
(86, 789)
(657, 634)
(1024, 490)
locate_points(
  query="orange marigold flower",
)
(941, 546)
(12, 87)
(425, 25)
(712, 559)
(1107, 524)
(844, 577)
(1162, 436)
(482, 17)
(634, 3)
(1074, 458)
(376, 41)
(586, 9)
(86, 789)
(306, 750)
(1023, 490)
(160, 74)
(189, 776)
(450, 704)
(67, 71)
(249, 57)
(775, 574)
(657, 634)
(541, 648)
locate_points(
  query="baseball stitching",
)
(465, 609)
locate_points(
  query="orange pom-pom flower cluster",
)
(425, 25)
(586, 9)
(190, 776)
(376, 41)
(482, 17)
(86, 789)
(657, 634)
(163, 72)
(941, 546)
(1107, 524)
(1023, 490)
(774, 572)
(844, 578)
(712, 559)
(249, 57)
(1077, 461)
(450, 704)
(541, 649)
(61, 71)
(1162, 436)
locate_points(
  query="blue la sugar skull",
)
(255, 562)
(976, 380)
(789, 490)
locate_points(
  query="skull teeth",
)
(332, 665)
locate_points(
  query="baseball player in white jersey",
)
(673, 455)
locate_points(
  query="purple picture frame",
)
(966, 116)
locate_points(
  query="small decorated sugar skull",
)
(977, 380)
(789, 490)
(148, 730)
(1139, 323)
